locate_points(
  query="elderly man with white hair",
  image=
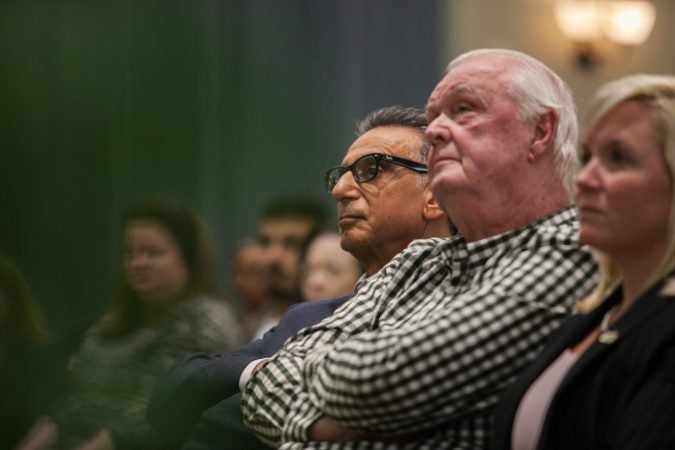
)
(419, 357)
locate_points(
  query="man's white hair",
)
(537, 89)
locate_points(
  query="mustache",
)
(275, 269)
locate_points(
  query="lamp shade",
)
(578, 20)
(628, 22)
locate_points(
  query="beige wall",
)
(529, 26)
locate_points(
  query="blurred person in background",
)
(249, 284)
(166, 306)
(285, 226)
(328, 271)
(31, 363)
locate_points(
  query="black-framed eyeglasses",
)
(366, 168)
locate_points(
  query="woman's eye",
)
(334, 271)
(618, 157)
(584, 156)
(154, 252)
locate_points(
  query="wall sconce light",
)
(623, 22)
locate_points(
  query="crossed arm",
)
(394, 365)
(200, 380)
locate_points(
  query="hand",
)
(41, 436)
(327, 429)
(100, 441)
(260, 365)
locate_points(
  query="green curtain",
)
(225, 104)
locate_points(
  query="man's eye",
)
(366, 170)
(292, 242)
(463, 107)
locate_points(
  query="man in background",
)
(383, 203)
(284, 227)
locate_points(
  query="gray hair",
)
(537, 90)
(392, 116)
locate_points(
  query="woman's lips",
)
(588, 210)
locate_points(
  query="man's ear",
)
(544, 135)
(432, 210)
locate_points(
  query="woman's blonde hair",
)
(657, 94)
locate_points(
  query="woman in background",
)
(607, 378)
(328, 270)
(31, 364)
(166, 306)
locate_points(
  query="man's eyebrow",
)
(467, 90)
(478, 93)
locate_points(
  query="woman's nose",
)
(588, 176)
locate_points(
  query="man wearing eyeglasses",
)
(418, 357)
(383, 203)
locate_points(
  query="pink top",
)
(534, 405)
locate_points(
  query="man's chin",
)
(353, 243)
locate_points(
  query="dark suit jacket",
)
(201, 380)
(618, 395)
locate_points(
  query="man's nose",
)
(274, 252)
(438, 130)
(346, 187)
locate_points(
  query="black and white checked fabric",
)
(428, 343)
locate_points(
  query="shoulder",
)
(418, 252)
(550, 240)
(205, 318)
(322, 307)
(559, 228)
(205, 307)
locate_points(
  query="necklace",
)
(604, 324)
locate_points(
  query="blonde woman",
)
(607, 378)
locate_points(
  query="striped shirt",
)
(428, 343)
(111, 378)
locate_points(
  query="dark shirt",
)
(31, 378)
(209, 381)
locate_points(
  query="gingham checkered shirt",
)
(428, 343)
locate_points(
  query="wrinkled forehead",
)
(483, 76)
(394, 140)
